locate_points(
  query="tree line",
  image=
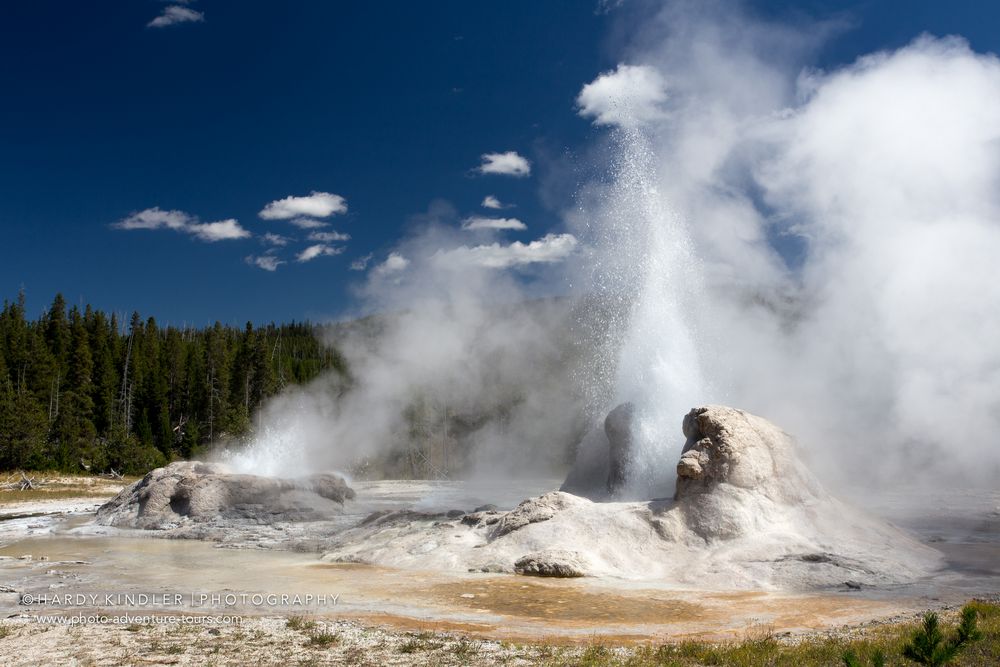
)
(81, 390)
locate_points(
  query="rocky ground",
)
(301, 640)
(56, 499)
(751, 555)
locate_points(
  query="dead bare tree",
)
(21, 482)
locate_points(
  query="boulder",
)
(618, 429)
(552, 563)
(588, 477)
(604, 457)
(192, 491)
(729, 446)
(533, 510)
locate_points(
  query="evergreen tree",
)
(77, 390)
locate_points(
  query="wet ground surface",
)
(63, 573)
(962, 524)
(68, 557)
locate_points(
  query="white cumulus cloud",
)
(318, 250)
(507, 164)
(549, 249)
(476, 222)
(629, 96)
(223, 230)
(313, 205)
(157, 218)
(490, 201)
(175, 14)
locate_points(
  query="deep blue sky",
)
(388, 104)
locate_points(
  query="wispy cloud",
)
(627, 97)
(318, 250)
(275, 239)
(477, 222)
(329, 237)
(549, 249)
(157, 218)
(305, 208)
(267, 261)
(174, 15)
(361, 263)
(308, 223)
(508, 164)
(489, 201)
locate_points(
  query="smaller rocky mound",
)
(533, 510)
(190, 491)
(618, 429)
(729, 446)
(602, 465)
(552, 563)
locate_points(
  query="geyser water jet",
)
(647, 261)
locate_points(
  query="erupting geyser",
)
(747, 513)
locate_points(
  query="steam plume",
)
(816, 247)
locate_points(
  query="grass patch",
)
(411, 646)
(463, 649)
(322, 638)
(300, 623)
(760, 647)
(5, 631)
(421, 641)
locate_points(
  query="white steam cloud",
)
(392, 265)
(630, 95)
(812, 246)
(816, 247)
(453, 357)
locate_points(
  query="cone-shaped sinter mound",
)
(747, 513)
